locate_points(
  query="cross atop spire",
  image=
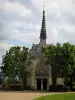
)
(43, 27)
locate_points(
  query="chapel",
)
(41, 77)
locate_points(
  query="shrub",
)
(51, 88)
(14, 87)
(73, 83)
(55, 88)
(13, 81)
(73, 88)
(67, 81)
(1, 81)
(66, 88)
(28, 87)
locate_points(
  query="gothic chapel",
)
(41, 77)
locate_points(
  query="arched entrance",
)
(38, 84)
(41, 84)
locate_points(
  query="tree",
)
(61, 58)
(53, 55)
(68, 52)
(25, 62)
(15, 63)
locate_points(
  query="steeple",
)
(43, 28)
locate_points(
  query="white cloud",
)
(3, 48)
(21, 22)
(56, 5)
(60, 15)
(16, 8)
(27, 34)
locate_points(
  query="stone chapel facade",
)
(41, 77)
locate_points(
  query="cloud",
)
(15, 8)
(20, 20)
(56, 5)
(12, 14)
(4, 46)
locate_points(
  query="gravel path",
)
(21, 95)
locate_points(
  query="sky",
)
(20, 22)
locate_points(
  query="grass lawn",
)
(65, 96)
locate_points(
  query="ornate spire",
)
(43, 27)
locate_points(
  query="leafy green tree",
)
(53, 54)
(15, 63)
(61, 58)
(68, 52)
(25, 62)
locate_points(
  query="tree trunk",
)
(54, 81)
(24, 82)
(71, 82)
(54, 76)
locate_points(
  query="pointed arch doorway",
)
(38, 84)
(41, 84)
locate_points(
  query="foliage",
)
(16, 62)
(67, 81)
(61, 58)
(5, 80)
(58, 88)
(53, 54)
(1, 81)
(15, 87)
(73, 83)
(73, 88)
(66, 88)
